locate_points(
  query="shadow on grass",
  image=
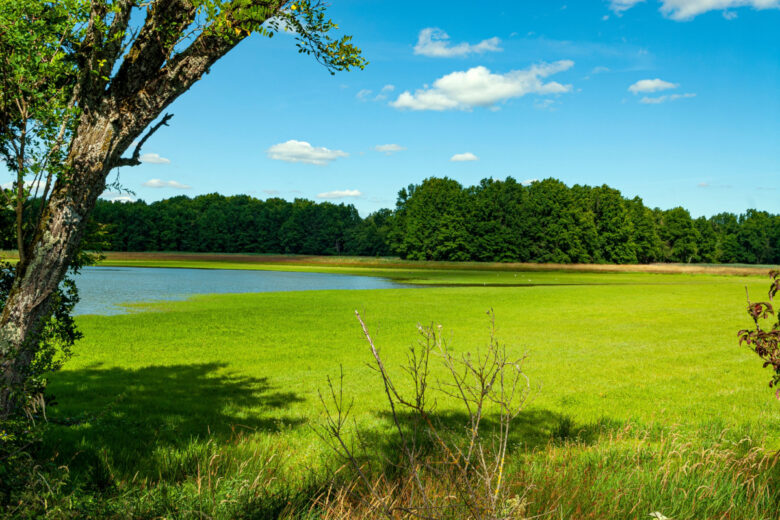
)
(129, 419)
(531, 430)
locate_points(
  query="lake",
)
(104, 289)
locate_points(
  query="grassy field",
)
(642, 400)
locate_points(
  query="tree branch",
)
(165, 22)
(135, 159)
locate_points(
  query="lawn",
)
(613, 358)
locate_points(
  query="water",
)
(103, 289)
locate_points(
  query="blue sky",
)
(672, 100)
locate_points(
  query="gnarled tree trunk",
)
(113, 116)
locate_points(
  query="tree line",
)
(439, 219)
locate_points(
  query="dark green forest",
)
(439, 219)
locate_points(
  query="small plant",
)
(765, 341)
(438, 470)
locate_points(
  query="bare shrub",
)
(442, 465)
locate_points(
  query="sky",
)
(676, 101)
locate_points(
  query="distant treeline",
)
(241, 224)
(439, 219)
(548, 221)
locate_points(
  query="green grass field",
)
(620, 363)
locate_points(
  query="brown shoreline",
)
(396, 263)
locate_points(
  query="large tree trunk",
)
(150, 77)
(55, 243)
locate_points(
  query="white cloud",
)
(663, 99)
(435, 43)
(117, 197)
(387, 89)
(729, 15)
(464, 157)
(364, 94)
(32, 186)
(153, 158)
(623, 5)
(599, 70)
(389, 149)
(303, 152)
(157, 183)
(478, 86)
(339, 194)
(647, 86)
(544, 104)
(686, 9)
(528, 182)
(271, 192)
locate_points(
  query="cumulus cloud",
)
(663, 99)
(528, 182)
(154, 158)
(687, 9)
(647, 86)
(157, 183)
(339, 194)
(478, 86)
(389, 149)
(464, 157)
(435, 43)
(303, 152)
(364, 94)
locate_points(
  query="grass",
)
(642, 398)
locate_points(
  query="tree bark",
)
(147, 82)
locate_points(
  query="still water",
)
(104, 289)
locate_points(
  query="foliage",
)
(547, 221)
(38, 74)
(765, 341)
(241, 224)
(501, 221)
(26, 480)
(55, 343)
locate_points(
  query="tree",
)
(92, 82)
(432, 220)
(679, 235)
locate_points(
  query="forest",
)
(439, 219)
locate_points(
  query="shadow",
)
(125, 421)
(531, 430)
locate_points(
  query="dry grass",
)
(397, 263)
(622, 475)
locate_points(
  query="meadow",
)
(641, 398)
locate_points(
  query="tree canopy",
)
(439, 219)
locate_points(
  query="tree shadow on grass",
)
(530, 430)
(129, 419)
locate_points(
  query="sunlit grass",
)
(642, 398)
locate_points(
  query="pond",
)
(104, 289)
